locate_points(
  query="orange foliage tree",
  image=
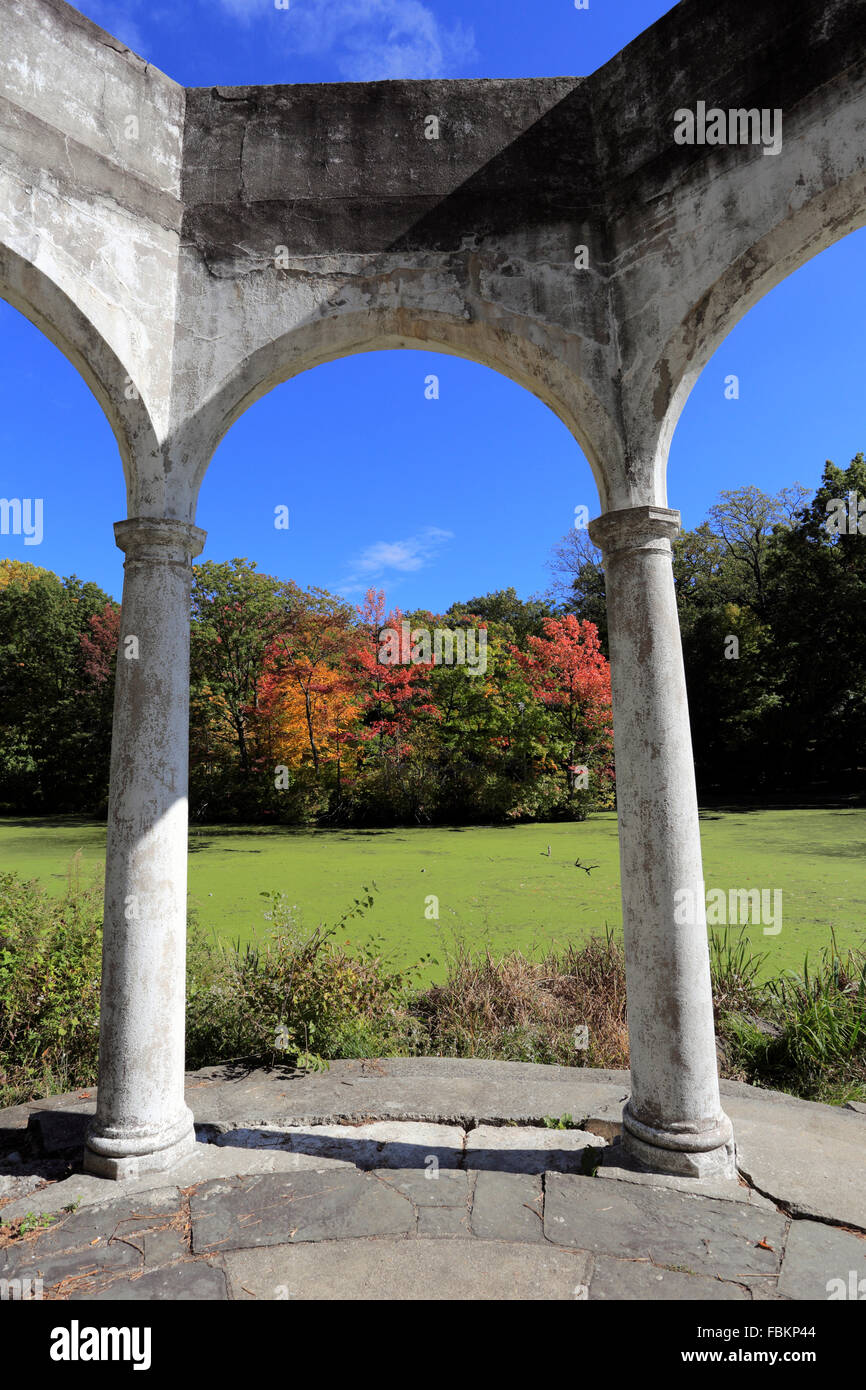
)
(568, 672)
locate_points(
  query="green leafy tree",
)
(522, 617)
(55, 737)
(816, 596)
(745, 520)
(237, 615)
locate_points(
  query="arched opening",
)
(38, 298)
(770, 619)
(438, 480)
(796, 378)
(789, 246)
(58, 445)
(529, 360)
(60, 574)
(408, 438)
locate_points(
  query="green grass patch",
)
(496, 886)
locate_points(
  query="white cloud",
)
(365, 40)
(246, 10)
(384, 558)
(369, 40)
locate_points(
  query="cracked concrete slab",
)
(108, 1239)
(443, 1221)
(98, 1224)
(205, 1162)
(638, 1279)
(698, 1235)
(393, 1144)
(823, 1262)
(389, 1270)
(508, 1206)
(426, 1089)
(189, 1281)
(432, 1187)
(519, 1149)
(806, 1157)
(103, 1257)
(260, 1192)
(279, 1208)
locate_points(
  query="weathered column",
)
(673, 1121)
(142, 1123)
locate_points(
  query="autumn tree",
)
(396, 705)
(568, 673)
(237, 614)
(99, 643)
(504, 609)
(308, 692)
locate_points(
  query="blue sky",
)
(433, 500)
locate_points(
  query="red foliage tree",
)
(99, 646)
(568, 672)
(394, 692)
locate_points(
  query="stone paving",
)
(432, 1179)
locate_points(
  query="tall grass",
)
(50, 959)
(305, 996)
(568, 1007)
(803, 1032)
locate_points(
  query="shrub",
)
(300, 997)
(804, 1033)
(50, 956)
(524, 1010)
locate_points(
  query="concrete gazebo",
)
(190, 249)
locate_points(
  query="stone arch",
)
(41, 300)
(325, 339)
(758, 270)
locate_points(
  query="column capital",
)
(161, 539)
(635, 528)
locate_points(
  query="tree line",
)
(308, 709)
(771, 593)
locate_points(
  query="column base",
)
(687, 1154)
(111, 1153)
